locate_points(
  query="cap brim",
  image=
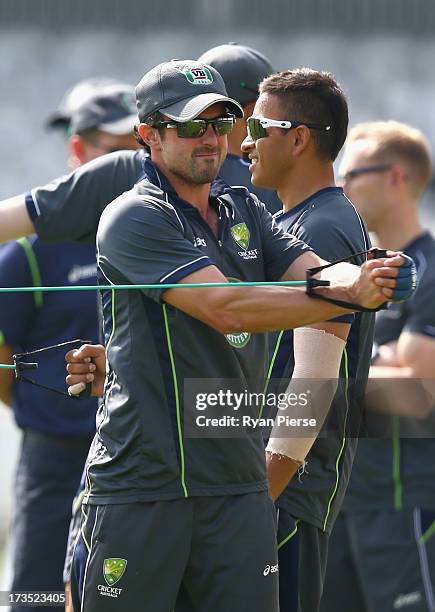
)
(120, 127)
(57, 119)
(188, 109)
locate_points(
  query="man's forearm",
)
(14, 219)
(263, 309)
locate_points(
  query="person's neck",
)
(301, 184)
(398, 231)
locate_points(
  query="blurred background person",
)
(382, 550)
(56, 430)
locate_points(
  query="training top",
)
(30, 321)
(399, 471)
(330, 224)
(70, 207)
(150, 235)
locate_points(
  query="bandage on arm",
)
(317, 356)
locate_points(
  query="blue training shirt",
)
(29, 321)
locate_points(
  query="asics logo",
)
(270, 569)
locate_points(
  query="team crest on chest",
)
(242, 236)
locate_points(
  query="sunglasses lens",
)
(198, 127)
(191, 129)
(224, 125)
(255, 129)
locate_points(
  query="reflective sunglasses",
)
(257, 126)
(198, 127)
(351, 174)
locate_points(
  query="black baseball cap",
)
(74, 97)
(111, 110)
(182, 89)
(242, 69)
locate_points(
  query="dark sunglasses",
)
(198, 127)
(257, 126)
(351, 174)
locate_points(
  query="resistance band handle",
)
(21, 366)
(373, 253)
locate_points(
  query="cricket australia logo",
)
(240, 339)
(113, 570)
(197, 75)
(241, 236)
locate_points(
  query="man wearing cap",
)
(70, 207)
(56, 431)
(242, 68)
(78, 94)
(166, 506)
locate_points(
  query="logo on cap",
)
(197, 75)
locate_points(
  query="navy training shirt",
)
(150, 235)
(330, 224)
(399, 472)
(29, 321)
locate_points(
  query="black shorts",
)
(382, 561)
(302, 556)
(217, 553)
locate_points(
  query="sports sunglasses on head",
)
(257, 126)
(198, 127)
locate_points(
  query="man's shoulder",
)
(329, 212)
(144, 200)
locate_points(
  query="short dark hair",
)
(315, 97)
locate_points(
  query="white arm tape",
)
(317, 357)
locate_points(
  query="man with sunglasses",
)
(70, 207)
(203, 496)
(298, 127)
(382, 553)
(242, 68)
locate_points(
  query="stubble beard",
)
(199, 171)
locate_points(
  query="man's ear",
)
(301, 139)
(398, 175)
(77, 151)
(149, 135)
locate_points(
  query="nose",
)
(248, 144)
(210, 134)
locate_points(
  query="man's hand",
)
(391, 278)
(86, 365)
